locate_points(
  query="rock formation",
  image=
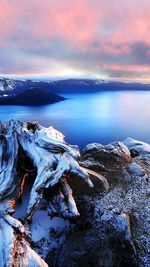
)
(64, 220)
(114, 227)
(53, 161)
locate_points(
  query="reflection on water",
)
(99, 117)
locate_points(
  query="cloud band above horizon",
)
(90, 38)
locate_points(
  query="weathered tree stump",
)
(54, 160)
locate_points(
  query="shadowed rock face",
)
(108, 244)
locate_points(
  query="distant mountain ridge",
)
(28, 92)
(90, 85)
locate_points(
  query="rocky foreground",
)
(60, 208)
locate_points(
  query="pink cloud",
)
(85, 26)
(77, 21)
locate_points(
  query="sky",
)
(75, 38)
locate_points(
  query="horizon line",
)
(48, 77)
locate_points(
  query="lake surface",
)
(94, 117)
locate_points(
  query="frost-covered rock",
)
(109, 243)
(137, 148)
(117, 148)
(115, 225)
(110, 160)
(135, 169)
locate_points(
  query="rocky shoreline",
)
(65, 221)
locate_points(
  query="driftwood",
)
(53, 161)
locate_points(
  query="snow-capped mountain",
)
(90, 85)
(26, 92)
(11, 88)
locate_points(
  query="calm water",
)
(98, 117)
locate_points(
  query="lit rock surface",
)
(137, 148)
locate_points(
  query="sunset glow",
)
(88, 38)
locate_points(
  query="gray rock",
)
(137, 147)
(114, 227)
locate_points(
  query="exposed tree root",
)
(54, 160)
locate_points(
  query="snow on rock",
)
(15, 250)
(110, 160)
(115, 147)
(137, 148)
(52, 157)
(52, 160)
(135, 169)
(41, 225)
(118, 221)
(113, 229)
